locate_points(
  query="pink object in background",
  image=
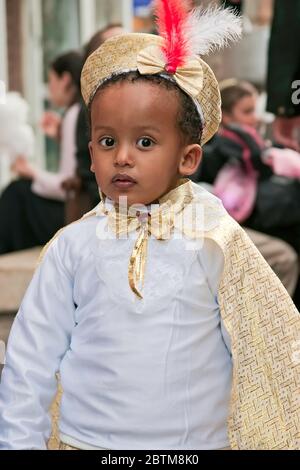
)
(236, 184)
(237, 190)
(284, 162)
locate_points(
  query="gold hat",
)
(122, 54)
(145, 53)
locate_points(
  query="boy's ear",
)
(190, 160)
(92, 157)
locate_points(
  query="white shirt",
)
(137, 374)
(47, 184)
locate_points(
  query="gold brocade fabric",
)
(63, 446)
(54, 441)
(264, 327)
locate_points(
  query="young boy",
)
(127, 305)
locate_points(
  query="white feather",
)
(212, 29)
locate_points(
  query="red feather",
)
(172, 18)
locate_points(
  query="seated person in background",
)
(257, 198)
(32, 208)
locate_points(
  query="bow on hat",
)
(188, 77)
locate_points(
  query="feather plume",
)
(212, 29)
(172, 21)
(193, 32)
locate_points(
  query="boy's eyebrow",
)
(108, 128)
(150, 127)
(100, 127)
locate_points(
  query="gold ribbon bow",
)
(160, 224)
(189, 77)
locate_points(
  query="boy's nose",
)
(123, 156)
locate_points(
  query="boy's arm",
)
(264, 328)
(39, 339)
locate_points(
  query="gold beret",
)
(140, 52)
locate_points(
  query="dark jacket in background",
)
(284, 58)
(238, 6)
(221, 150)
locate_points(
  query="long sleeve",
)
(38, 341)
(47, 184)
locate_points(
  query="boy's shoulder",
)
(218, 224)
(81, 229)
(73, 241)
(77, 232)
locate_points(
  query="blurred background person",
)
(235, 164)
(32, 208)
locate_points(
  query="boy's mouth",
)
(123, 181)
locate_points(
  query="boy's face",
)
(136, 148)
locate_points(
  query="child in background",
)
(239, 106)
(272, 174)
(166, 325)
(238, 137)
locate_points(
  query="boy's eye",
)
(145, 142)
(107, 142)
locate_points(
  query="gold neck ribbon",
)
(159, 223)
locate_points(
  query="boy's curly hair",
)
(188, 120)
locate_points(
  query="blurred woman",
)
(32, 208)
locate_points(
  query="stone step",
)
(16, 271)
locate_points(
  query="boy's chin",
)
(131, 200)
(137, 202)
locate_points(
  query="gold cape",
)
(264, 327)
